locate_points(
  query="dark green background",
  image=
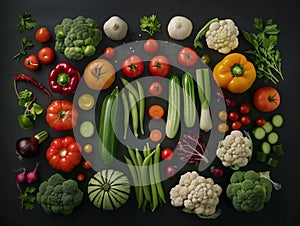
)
(281, 210)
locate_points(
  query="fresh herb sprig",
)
(26, 22)
(28, 198)
(150, 24)
(264, 55)
(26, 45)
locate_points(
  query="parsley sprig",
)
(150, 24)
(28, 198)
(26, 22)
(26, 44)
(264, 54)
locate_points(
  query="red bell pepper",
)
(64, 153)
(64, 78)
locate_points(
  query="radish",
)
(21, 177)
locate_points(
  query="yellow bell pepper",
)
(234, 73)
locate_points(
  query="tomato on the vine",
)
(133, 66)
(233, 116)
(167, 154)
(32, 62)
(236, 125)
(46, 55)
(151, 45)
(245, 108)
(187, 57)
(42, 35)
(155, 89)
(245, 120)
(109, 52)
(159, 66)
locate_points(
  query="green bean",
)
(126, 114)
(145, 176)
(132, 156)
(134, 114)
(141, 101)
(159, 187)
(153, 186)
(130, 87)
(138, 157)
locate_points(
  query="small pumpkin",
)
(108, 189)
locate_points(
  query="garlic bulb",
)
(115, 28)
(179, 27)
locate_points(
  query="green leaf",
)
(25, 122)
(37, 109)
(25, 96)
(26, 22)
(150, 24)
(258, 24)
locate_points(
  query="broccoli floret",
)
(79, 32)
(58, 195)
(249, 191)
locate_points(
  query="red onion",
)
(21, 177)
(170, 171)
(33, 176)
(230, 102)
(217, 171)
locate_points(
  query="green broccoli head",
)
(58, 195)
(248, 191)
(73, 34)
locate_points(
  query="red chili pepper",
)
(23, 77)
(64, 78)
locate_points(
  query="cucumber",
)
(266, 147)
(277, 120)
(108, 143)
(268, 127)
(86, 129)
(189, 108)
(259, 133)
(173, 117)
(273, 137)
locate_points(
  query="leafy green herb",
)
(28, 198)
(26, 44)
(264, 55)
(26, 22)
(150, 24)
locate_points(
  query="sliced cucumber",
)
(259, 133)
(277, 120)
(273, 137)
(268, 127)
(86, 129)
(266, 147)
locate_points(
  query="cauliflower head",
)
(196, 194)
(222, 36)
(235, 150)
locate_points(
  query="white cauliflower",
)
(235, 150)
(197, 194)
(222, 36)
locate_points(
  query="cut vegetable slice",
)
(273, 137)
(86, 129)
(268, 127)
(278, 149)
(86, 101)
(259, 133)
(272, 162)
(277, 120)
(266, 147)
(261, 156)
(156, 111)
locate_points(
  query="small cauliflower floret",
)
(200, 196)
(235, 150)
(222, 36)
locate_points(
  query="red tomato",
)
(260, 121)
(266, 99)
(133, 66)
(233, 116)
(46, 55)
(42, 35)
(245, 120)
(236, 125)
(80, 177)
(32, 62)
(86, 164)
(167, 154)
(159, 66)
(245, 108)
(109, 52)
(187, 57)
(151, 45)
(155, 89)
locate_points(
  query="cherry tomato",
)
(223, 127)
(109, 52)
(46, 55)
(159, 66)
(155, 89)
(245, 108)
(187, 57)
(88, 148)
(233, 115)
(222, 115)
(205, 59)
(80, 177)
(236, 125)
(260, 121)
(167, 154)
(32, 62)
(133, 66)
(245, 120)
(42, 35)
(266, 99)
(151, 45)
(86, 164)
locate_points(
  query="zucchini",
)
(189, 108)
(277, 120)
(108, 142)
(86, 129)
(173, 117)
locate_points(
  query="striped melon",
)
(108, 189)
